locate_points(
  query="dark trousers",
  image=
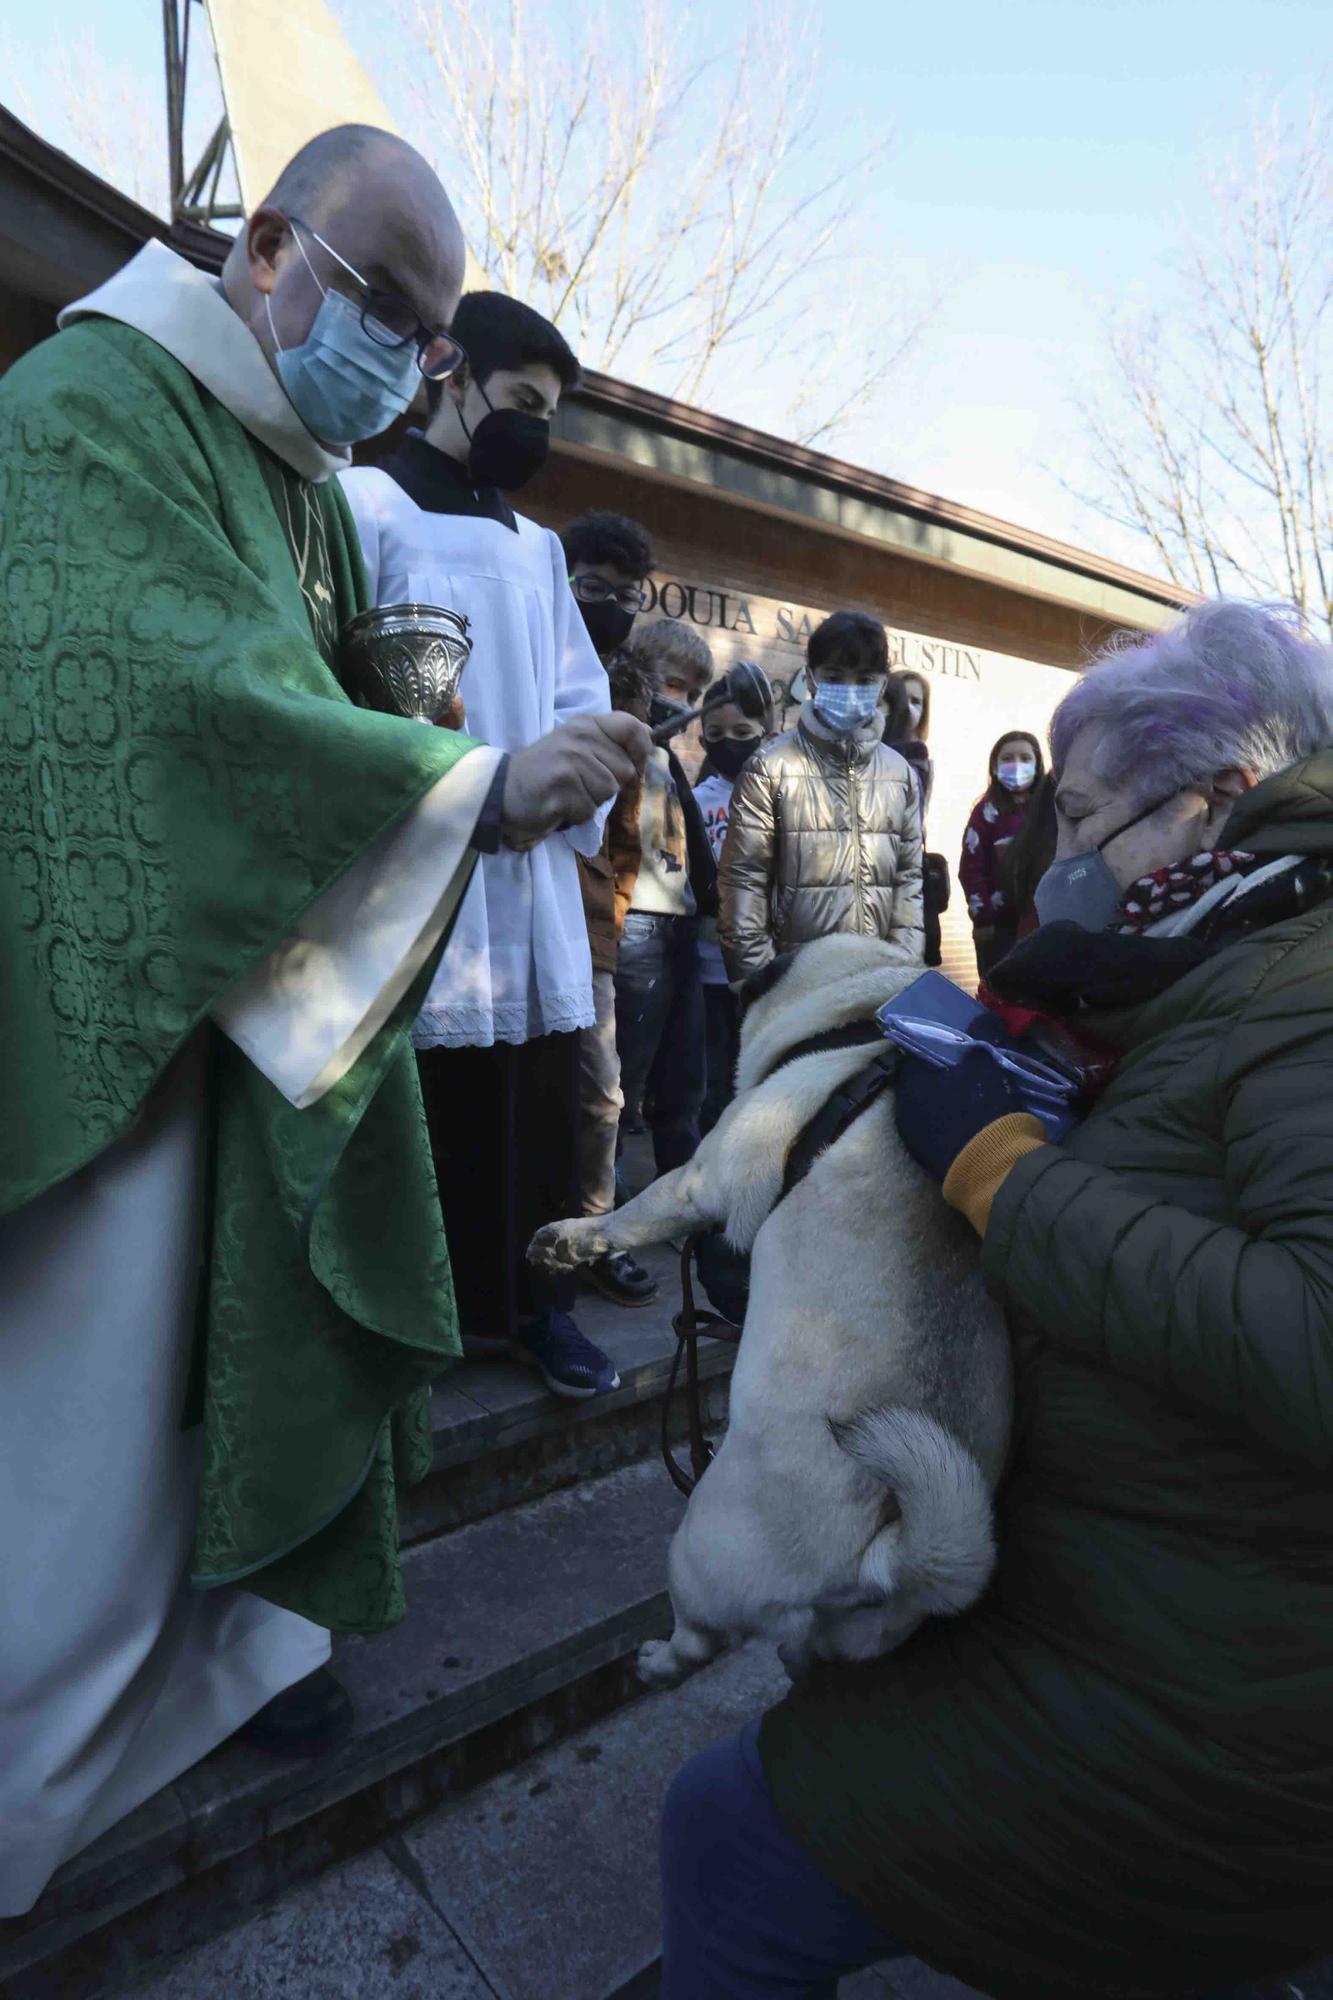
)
(722, 1040)
(992, 949)
(660, 1030)
(503, 1128)
(746, 1915)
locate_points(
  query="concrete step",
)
(501, 1437)
(541, 1885)
(520, 1628)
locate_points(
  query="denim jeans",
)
(722, 1038)
(746, 1915)
(601, 1101)
(660, 1030)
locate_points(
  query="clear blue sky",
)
(1048, 154)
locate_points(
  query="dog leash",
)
(829, 1123)
(689, 1322)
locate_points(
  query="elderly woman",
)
(1115, 1775)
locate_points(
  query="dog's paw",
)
(563, 1246)
(657, 1664)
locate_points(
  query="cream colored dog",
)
(851, 1497)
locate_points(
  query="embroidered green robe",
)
(181, 776)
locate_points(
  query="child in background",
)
(610, 558)
(666, 881)
(730, 738)
(1028, 856)
(907, 730)
(824, 830)
(998, 817)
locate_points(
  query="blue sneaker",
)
(568, 1362)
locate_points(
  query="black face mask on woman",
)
(508, 447)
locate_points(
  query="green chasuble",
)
(181, 776)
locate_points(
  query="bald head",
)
(342, 166)
(379, 206)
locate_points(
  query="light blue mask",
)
(342, 384)
(845, 708)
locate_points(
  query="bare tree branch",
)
(103, 114)
(1212, 442)
(670, 213)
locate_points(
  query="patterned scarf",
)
(1167, 891)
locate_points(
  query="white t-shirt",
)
(517, 963)
(713, 798)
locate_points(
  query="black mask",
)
(730, 754)
(507, 449)
(608, 624)
(663, 710)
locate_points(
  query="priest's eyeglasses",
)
(596, 590)
(390, 321)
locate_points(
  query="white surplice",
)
(518, 963)
(116, 1676)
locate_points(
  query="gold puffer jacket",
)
(823, 835)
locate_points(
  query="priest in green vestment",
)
(224, 886)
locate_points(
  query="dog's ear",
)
(765, 980)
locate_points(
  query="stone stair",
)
(538, 1885)
(534, 1561)
(500, 1439)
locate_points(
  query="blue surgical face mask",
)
(342, 384)
(1081, 889)
(846, 707)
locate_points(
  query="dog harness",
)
(845, 1106)
(833, 1118)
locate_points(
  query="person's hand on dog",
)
(940, 1112)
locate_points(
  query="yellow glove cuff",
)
(974, 1179)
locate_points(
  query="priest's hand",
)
(561, 779)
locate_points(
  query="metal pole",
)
(192, 195)
(175, 100)
(218, 166)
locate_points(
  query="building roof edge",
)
(25, 153)
(609, 394)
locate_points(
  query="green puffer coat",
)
(1115, 1775)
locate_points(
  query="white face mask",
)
(1016, 773)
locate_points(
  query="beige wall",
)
(967, 715)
